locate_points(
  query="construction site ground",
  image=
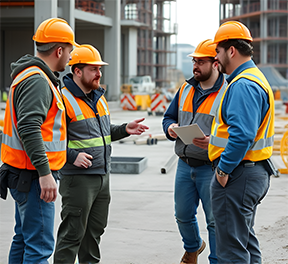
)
(142, 227)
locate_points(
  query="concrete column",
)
(263, 32)
(132, 52)
(111, 76)
(128, 63)
(43, 9)
(66, 11)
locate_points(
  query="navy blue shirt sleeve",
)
(171, 115)
(244, 107)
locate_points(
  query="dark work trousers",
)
(85, 205)
(234, 209)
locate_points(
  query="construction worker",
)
(34, 139)
(195, 102)
(241, 141)
(85, 182)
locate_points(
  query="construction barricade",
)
(127, 101)
(158, 104)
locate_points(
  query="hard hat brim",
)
(94, 63)
(75, 44)
(226, 39)
(200, 55)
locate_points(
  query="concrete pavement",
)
(142, 228)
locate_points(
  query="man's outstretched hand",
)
(134, 128)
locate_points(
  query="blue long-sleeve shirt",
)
(244, 107)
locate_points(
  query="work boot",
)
(191, 257)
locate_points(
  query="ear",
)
(215, 65)
(59, 52)
(232, 51)
(77, 72)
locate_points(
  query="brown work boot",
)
(191, 257)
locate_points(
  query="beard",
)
(61, 66)
(94, 84)
(223, 64)
(202, 77)
(221, 68)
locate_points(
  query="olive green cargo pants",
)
(85, 205)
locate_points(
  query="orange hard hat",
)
(86, 54)
(55, 30)
(232, 30)
(205, 48)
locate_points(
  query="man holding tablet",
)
(196, 102)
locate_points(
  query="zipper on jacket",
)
(90, 101)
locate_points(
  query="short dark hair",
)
(244, 47)
(80, 66)
(47, 48)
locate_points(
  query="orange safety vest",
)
(262, 147)
(88, 131)
(203, 117)
(53, 129)
(78, 111)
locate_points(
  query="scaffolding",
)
(153, 37)
(267, 21)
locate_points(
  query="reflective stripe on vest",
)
(215, 104)
(85, 143)
(203, 117)
(76, 108)
(217, 144)
(50, 146)
(54, 146)
(88, 143)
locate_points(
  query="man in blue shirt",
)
(241, 141)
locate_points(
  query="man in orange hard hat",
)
(195, 103)
(241, 144)
(85, 177)
(34, 141)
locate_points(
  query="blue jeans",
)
(33, 241)
(234, 208)
(191, 185)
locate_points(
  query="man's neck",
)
(47, 61)
(236, 63)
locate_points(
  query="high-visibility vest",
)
(53, 129)
(262, 146)
(203, 117)
(88, 131)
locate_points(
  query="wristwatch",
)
(221, 173)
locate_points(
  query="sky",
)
(197, 20)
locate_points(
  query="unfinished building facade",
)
(267, 21)
(154, 31)
(133, 36)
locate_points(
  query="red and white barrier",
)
(127, 101)
(158, 103)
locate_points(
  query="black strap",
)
(195, 162)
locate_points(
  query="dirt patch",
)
(274, 242)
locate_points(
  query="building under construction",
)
(267, 21)
(133, 36)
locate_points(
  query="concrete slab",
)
(142, 228)
(128, 165)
